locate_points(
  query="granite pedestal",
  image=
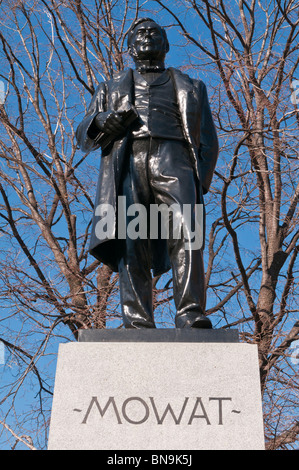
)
(157, 390)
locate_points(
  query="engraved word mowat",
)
(188, 392)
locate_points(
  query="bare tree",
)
(53, 56)
(252, 49)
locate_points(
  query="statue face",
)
(148, 42)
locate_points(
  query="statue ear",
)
(132, 50)
(166, 41)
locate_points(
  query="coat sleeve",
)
(87, 130)
(208, 148)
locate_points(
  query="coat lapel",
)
(120, 94)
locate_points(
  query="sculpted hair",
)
(143, 20)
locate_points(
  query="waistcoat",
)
(157, 107)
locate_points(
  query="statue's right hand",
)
(111, 123)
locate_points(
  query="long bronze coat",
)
(199, 131)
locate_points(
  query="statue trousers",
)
(160, 172)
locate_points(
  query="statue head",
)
(147, 40)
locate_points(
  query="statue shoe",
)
(195, 321)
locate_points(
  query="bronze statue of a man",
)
(159, 147)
